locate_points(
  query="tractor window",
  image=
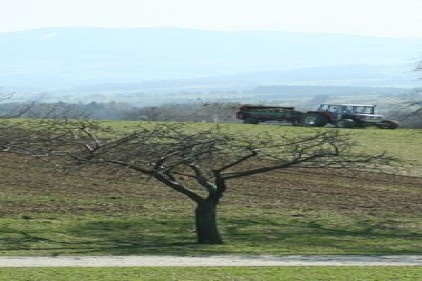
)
(334, 108)
(348, 109)
(323, 107)
(364, 109)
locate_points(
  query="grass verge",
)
(216, 273)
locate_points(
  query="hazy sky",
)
(364, 17)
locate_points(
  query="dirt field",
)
(55, 191)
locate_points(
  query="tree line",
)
(407, 111)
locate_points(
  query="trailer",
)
(254, 114)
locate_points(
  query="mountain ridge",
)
(56, 59)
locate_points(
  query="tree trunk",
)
(206, 223)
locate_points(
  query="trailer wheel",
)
(251, 121)
(314, 120)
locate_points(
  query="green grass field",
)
(403, 143)
(215, 273)
(96, 212)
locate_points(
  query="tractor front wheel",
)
(389, 124)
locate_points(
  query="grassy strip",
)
(402, 143)
(216, 273)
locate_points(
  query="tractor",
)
(347, 116)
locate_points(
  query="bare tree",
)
(198, 163)
(17, 111)
(409, 110)
(415, 102)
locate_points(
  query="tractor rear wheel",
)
(346, 123)
(314, 120)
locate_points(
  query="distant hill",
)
(160, 60)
